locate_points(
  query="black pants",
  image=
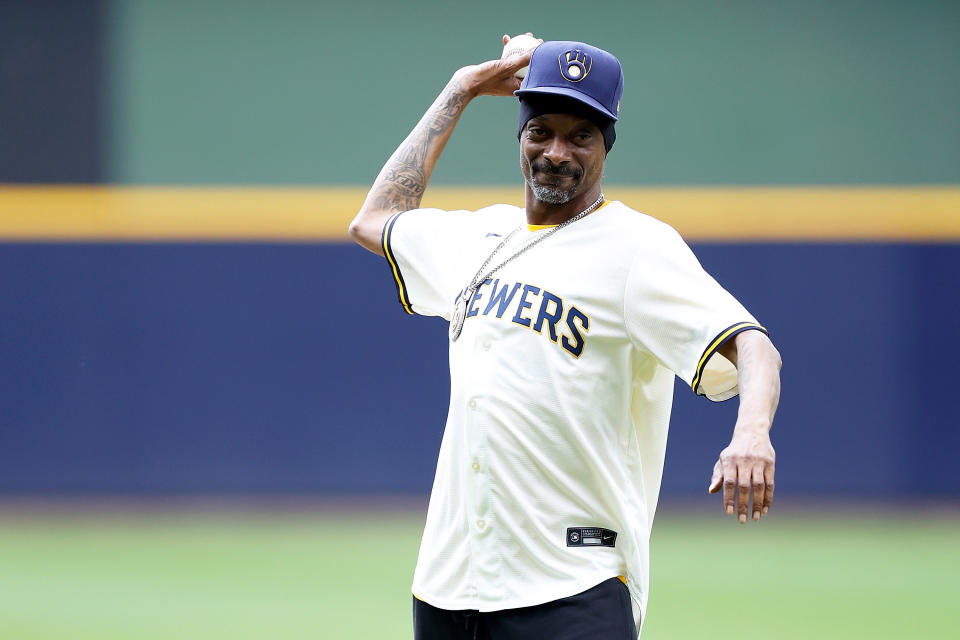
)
(600, 613)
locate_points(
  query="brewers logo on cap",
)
(588, 75)
(575, 65)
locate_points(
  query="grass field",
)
(345, 575)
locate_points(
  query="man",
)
(569, 319)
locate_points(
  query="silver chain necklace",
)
(460, 306)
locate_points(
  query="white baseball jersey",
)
(561, 389)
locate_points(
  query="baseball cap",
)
(578, 71)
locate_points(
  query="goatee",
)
(552, 194)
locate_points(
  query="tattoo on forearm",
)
(403, 180)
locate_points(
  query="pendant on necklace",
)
(459, 313)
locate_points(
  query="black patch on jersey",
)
(591, 537)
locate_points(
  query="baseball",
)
(516, 46)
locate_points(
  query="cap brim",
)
(569, 93)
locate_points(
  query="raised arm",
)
(749, 460)
(403, 179)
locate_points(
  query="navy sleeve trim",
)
(394, 265)
(718, 342)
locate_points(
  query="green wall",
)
(741, 92)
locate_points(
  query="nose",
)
(558, 151)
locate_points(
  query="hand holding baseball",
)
(499, 77)
(518, 45)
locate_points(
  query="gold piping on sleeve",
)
(394, 268)
(716, 344)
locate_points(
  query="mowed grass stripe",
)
(228, 577)
(347, 576)
(820, 577)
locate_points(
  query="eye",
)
(533, 131)
(583, 137)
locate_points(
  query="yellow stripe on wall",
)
(289, 214)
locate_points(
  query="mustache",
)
(547, 167)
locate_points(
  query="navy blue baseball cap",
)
(578, 71)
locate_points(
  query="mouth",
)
(552, 178)
(554, 175)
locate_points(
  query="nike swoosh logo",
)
(491, 233)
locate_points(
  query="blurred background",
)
(216, 420)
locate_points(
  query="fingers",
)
(729, 484)
(498, 77)
(759, 489)
(517, 61)
(743, 492)
(717, 478)
(768, 494)
(740, 476)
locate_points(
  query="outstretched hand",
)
(494, 77)
(747, 463)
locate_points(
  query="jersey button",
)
(485, 345)
(481, 524)
(476, 465)
(473, 403)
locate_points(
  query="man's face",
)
(561, 155)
